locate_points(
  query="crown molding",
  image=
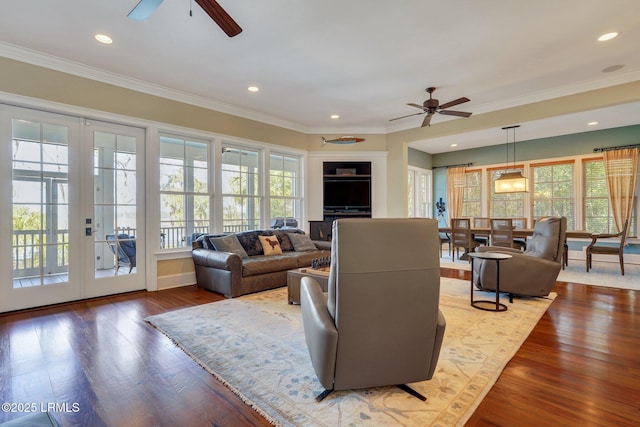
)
(40, 59)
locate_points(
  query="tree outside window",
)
(184, 190)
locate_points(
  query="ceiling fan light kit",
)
(432, 106)
(511, 181)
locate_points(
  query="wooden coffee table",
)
(294, 277)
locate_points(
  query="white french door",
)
(73, 191)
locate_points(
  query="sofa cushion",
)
(285, 243)
(270, 245)
(301, 242)
(228, 243)
(250, 241)
(261, 264)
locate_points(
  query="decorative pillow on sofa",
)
(228, 243)
(301, 242)
(270, 245)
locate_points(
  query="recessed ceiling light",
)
(253, 88)
(335, 116)
(608, 36)
(103, 38)
(454, 145)
(592, 123)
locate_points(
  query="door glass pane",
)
(40, 226)
(115, 195)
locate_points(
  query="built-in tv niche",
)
(346, 190)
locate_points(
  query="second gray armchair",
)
(532, 272)
(379, 324)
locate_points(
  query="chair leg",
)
(411, 391)
(621, 264)
(588, 261)
(321, 396)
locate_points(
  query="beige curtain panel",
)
(455, 190)
(621, 171)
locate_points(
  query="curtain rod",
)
(452, 166)
(620, 147)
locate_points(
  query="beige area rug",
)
(255, 345)
(603, 273)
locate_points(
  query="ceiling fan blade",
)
(454, 102)
(144, 9)
(220, 16)
(427, 120)
(408, 115)
(454, 113)
(411, 104)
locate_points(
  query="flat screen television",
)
(347, 194)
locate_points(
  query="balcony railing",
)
(36, 253)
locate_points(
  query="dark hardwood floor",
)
(100, 364)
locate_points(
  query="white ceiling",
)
(361, 59)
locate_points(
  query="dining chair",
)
(605, 249)
(520, 243)
(481, 222)
(502, 232)
(462, 237)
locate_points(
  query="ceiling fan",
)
(432, 106)
(145, 8)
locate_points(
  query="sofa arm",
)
(216, 259)
(319, 330)
(322, 245)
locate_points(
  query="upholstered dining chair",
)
(593, 248)
(520, 223)
(462, 237)
(379, 323)
(123, 248)
(502, 232)
(481, 222)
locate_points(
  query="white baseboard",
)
(176, 280)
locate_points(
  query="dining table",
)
(520, 232)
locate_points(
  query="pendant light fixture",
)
(511, 181)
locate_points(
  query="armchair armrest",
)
(217, 259)
(320, 331)
(595, 237)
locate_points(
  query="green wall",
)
(558, 146)
(420, 159)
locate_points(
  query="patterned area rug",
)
(255, 345)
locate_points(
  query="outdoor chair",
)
(123, 248)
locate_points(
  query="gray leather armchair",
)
(532, 272)
(379, 324)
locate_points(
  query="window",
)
(472, 204)
(419, 185)
(284, 189)
(185, 193)
(553, 193)
(506, 205)
(240, 177)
